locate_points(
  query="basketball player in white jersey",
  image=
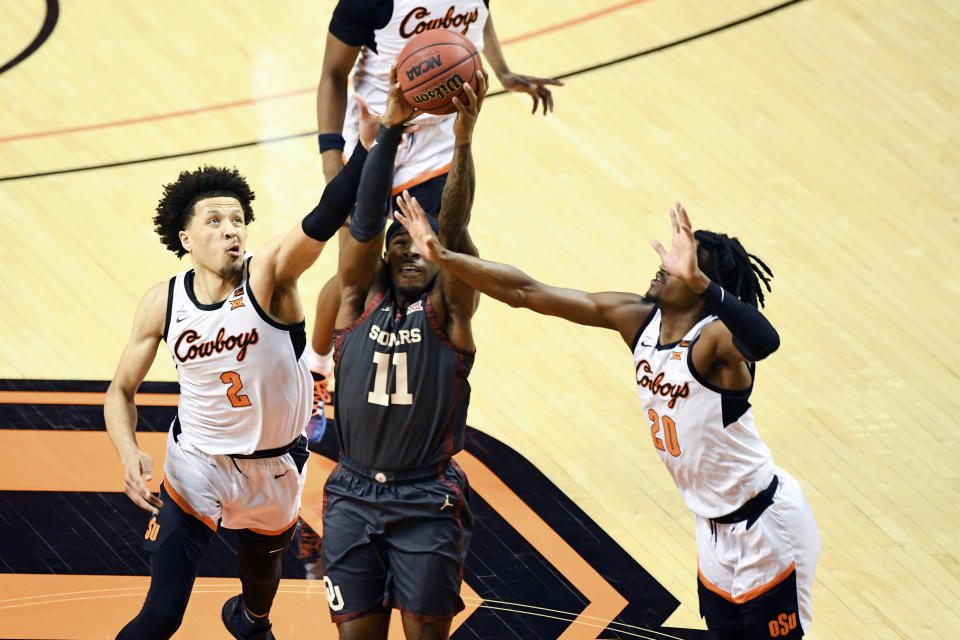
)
(695, 337)
(364, 38)
(236, 453)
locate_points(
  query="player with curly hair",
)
(236, 451)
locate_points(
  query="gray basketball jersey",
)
(402, 390)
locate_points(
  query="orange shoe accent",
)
(183, 504)
(749, 595)
(321, 394)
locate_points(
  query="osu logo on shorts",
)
(153, 528)
(783, 624)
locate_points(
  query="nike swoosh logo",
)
(646, 344)
(282, 474)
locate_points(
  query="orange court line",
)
(566, 23)
(286, 94)
(84, 398)
(605, 602)
(47, 460)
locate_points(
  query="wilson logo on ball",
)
(440, 91)
(426, 65)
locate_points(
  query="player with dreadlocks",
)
(695, 336)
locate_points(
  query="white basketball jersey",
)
(703, 434)
(244, 385)
(371, 72)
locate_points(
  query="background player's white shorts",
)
(738, 560)
(421, 155)
(260, 494)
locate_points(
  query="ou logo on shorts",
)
(333, 594)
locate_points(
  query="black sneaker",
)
(232, 616)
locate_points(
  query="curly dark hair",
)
(724, 260)
(176, 206)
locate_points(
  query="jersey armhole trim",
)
(166, 321)
(740, 394)
(263, 315)
(437, 329)
(643, 326)
(377, 299)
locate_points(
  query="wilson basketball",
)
(433, 68)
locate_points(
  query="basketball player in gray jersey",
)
(396, 524)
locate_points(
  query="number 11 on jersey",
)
(379, 393)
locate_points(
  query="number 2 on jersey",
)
(379, 393)
(669, 433)
(232, 378)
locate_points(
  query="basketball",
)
(433, 68)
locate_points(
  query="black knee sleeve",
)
(175, 558)
(261, 561)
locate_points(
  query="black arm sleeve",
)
(753, 335)
(373, 194)
(337, 199)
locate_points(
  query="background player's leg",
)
(418, 630)
(372, 626)
(177, 550)
(260, 558)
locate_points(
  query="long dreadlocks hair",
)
(724, 260)
(176, 206)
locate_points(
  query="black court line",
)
(49, 22)
(252, 143)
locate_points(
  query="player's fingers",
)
(155, 500)
(362, 105)
(482, 85)
(471, 94)
(393, 74)
(146, 466)
(536, 103)
(400, 213)
(684, 218)
(549, 81)
(138, 499)
(659, 249)
(545, 96)
(673, 222)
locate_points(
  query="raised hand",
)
(469, 108)
(681, 260)
(138, 471)
(398, 110)
(532, 85)
(369, 123)
(414, 219)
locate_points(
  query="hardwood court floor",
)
(823, 134)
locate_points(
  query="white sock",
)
(322, 364)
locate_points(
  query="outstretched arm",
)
(360, 251)
(622, 312)
(532, 85)
(278, 265)
(745, 335)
